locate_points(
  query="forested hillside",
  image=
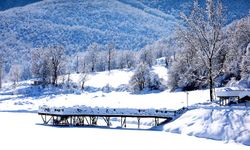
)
(89, 36)
(8, 4)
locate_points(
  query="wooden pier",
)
(86, 116)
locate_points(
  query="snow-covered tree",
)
(92, 55)
(146, 56)
(125, 59)
(15, 73)
(110, 56)
(129, 58)
(82, 62)
(47, 63)
(120, 61)
(40, 65)
(203, 33)
(77, 64)
(82, 79)
(140, 77)
(245, 64)
(144, 78)
(1, 68)
(238, 34)
(187, 72)
(56, 56)
(102, 61)
(155, 82)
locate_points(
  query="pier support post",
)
(123, 122)
(156, 121)
(138, 118)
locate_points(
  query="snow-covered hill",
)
(226, 124)
(232, 9)
(76, 24)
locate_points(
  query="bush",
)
(143, 79)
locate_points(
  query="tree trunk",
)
(210, 80)
(109, 60)
(54, 76)
(82, 86)
(0, 75)
(77, 65)
(93, 66)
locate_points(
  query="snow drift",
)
(229, 124)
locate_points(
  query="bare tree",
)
(47, 63)
(82, 79)
(1, 69)
(92, 55)
(40, 65)
(130, 58)
(245, 64)
(111, 50)
(203, 32)
(125, 59)
(56, 54)
(15, 73)
(77, 64)
(146, 56)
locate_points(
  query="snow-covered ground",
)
(30, 98)
(21, 131)
(225, 124)
(20, 123)
(156, 100)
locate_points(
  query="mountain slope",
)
(76, 24)
(233, 9)
(7, 4)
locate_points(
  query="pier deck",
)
(82, 115)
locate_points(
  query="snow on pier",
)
(84, 115)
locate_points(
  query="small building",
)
(36, 81)
(233, 96)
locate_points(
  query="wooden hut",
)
(233, 96)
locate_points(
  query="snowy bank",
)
(21, 131)
(218, 124)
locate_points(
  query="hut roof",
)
(233, 93)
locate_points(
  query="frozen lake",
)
(22, 131)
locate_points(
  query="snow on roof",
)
(233, 93)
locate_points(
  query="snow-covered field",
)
(28, 98)
(21, 131)
(22, 126)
